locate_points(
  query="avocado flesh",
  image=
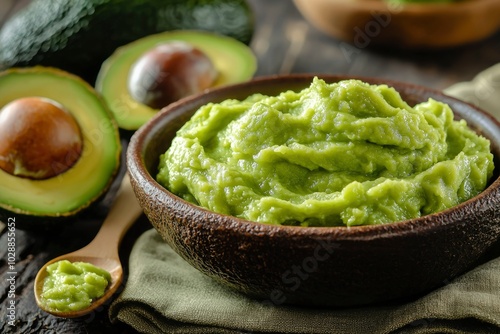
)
(82, 184)
(78, 35)
(233, 60)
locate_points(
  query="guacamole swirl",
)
(347, 153)
(72, 286)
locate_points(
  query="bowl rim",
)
(140, 175)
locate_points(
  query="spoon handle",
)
(123, 213)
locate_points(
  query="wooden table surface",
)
(283, 43)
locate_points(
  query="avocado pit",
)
(39, 139)
(169, 72)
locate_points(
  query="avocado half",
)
(78, 35)
(234, 61)
(90, 177)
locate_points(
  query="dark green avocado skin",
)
(78, 35)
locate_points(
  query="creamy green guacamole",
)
(347, 153)
(72, 286)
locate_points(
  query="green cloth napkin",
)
(164, 294)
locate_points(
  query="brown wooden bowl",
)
(326, 266)
(367, 23)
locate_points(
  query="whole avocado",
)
(78, 35)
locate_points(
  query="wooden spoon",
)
(102, 251)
